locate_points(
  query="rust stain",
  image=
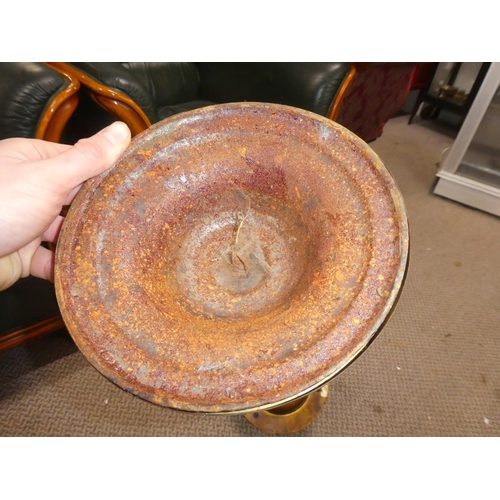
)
(233, 258)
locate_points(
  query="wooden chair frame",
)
(346, 84)
(112, 100)
(59, 111)
(128, 111)
(17, 337)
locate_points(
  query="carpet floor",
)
(433, 371)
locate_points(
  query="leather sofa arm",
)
(36, 100)
(311, 86)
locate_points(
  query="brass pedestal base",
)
(291, 417)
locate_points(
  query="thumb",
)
(89, 157)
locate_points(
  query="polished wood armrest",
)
(335, 107)
(59, 111)
(16, 337)
(112, 100)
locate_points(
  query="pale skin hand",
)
(37, 179)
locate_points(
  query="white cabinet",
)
(470, 173)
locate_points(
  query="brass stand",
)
(291, 417)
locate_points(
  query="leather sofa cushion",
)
(167, 111)
(168, 83)
(26, 90)
(311, 86)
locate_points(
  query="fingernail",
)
(116, 133)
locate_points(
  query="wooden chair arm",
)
(59, 111)
(334, 109)
(16, 337)
(113, 101)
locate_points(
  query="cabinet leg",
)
(435, 113)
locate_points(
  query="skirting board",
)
(468, 192)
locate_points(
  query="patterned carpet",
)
(433, 371)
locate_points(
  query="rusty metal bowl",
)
(235, 258)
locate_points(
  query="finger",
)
(52, 233)
(11, 269)
(42, 264)
(88, 157)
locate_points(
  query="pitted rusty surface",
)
(236, 257)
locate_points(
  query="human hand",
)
(37, 179)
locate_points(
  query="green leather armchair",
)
(144, 93)
(359, 96)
